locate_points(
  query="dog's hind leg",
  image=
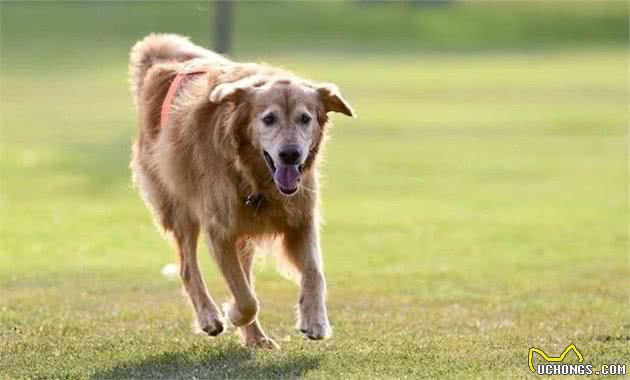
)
(302, 250)
(245, 307)
(186, 233)
(252, 335)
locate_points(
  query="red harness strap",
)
(172, 92)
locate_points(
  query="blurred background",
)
(488, 165)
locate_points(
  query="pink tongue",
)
(287, 176)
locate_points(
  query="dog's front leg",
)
(302, 248)
(186, 232)
(245, 307)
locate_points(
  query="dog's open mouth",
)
(286, 177)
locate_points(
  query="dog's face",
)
(285, 121)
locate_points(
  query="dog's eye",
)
(305, 119)
(269, 119)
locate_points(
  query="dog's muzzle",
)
(286, 173)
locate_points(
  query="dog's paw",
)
(253, 336)
(261, 342)
(315, 329)
(210, 324)
(240, 316)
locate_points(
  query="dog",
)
(231, 150)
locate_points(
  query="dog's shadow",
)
(232, 362)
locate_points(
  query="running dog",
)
(231, 150)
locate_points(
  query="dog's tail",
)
(157, 48)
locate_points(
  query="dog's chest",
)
(269, 217)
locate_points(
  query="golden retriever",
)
(231, 149)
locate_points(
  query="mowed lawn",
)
(476, 208)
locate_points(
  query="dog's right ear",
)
(234, 91)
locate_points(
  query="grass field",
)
(476, 208)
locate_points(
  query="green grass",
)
(476, 208)
(58, 29)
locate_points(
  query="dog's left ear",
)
(234, 91)
(332, 100)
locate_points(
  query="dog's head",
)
(285, 117)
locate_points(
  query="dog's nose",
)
(290, 154)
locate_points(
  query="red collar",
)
(172, 92)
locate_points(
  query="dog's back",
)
(161, 48)
(153, 64)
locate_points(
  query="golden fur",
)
(196, 171)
